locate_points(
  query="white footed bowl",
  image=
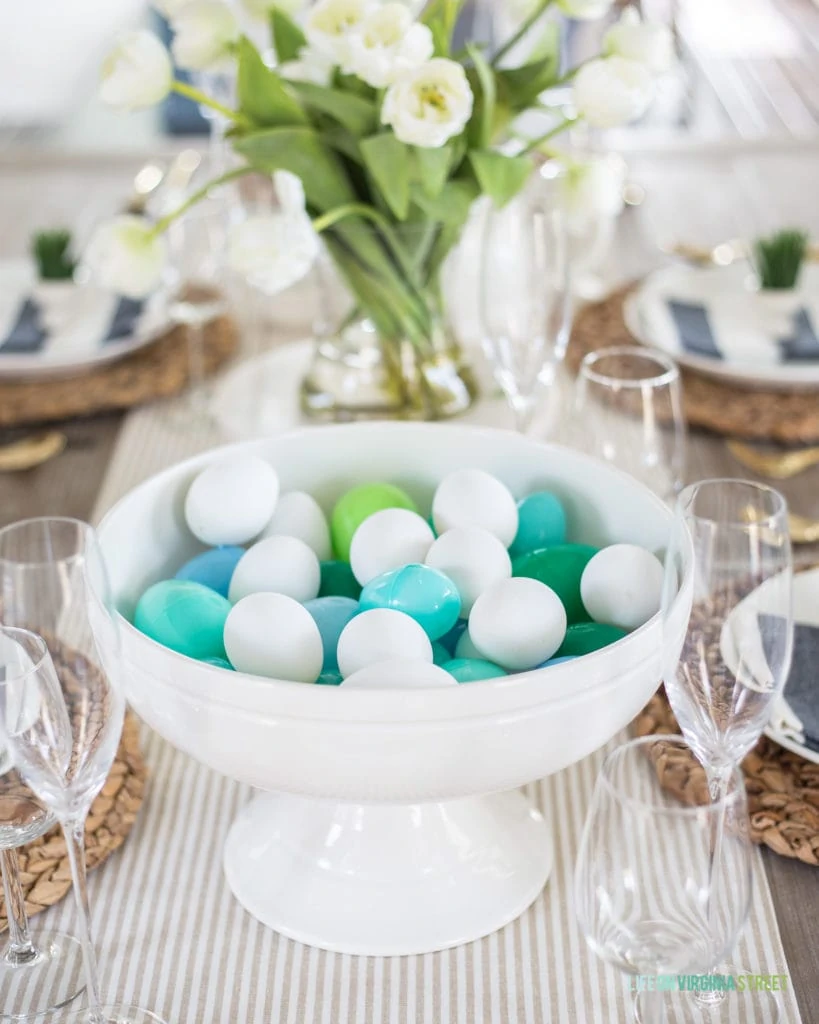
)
(376, 834)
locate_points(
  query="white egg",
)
(273, 635)
(622, 586)
(400, 675)
(298, 514)
(381, 635)
(518, 624)
(473, 558)
(387, 540)
(232, 501)
(465, 647)
(471, 497)
(278, 565)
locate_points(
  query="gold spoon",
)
(31, 451)
(776, 465)
(804, 530)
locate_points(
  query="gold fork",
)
(775, 465)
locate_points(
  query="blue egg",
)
(450, 640)
(558, 661)
(213, 569)
(331, 615)
(541, 524)
(219, 663)
(329, 679)
(419, 591)
(440, 655)
(473, 670)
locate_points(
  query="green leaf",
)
(288, 38)
(388, 162)
(441, 16)
(433, 166)
(357, 115)
(453, 203)
(520, 87)
(482, 125)
(263, 96)
(500, 176)
(300, 151)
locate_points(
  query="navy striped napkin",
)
(29, 334)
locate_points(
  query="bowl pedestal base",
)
(387, 879)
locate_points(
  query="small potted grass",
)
(778, 261)
(54, 264)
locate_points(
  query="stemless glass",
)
(628, 411)
(646, 896)
(526, 296)
(61, 706)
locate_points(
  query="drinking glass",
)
(61, 706)
(628, 411)
(525, 296)
(647, 897)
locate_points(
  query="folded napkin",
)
(796, 714)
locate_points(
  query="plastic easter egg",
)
(232, 501)
(465, 649)
(219, 663)
(396, 674)
(473, 558)
(337, 580)
(298, 514)
(185, 617)
(450, 641)
(471, 497)
(330, 678)
(278, 565)
(557, 661)
(332, 614)
(586, 637)
(518, 624)
(274, 636)
(472, 670)
(389, 540)
(440, 655)
(424, 594)
(561, 569)
(381, 635)
(359, 504)
(213, 568)
(622, 586)
(541, 523)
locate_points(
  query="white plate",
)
(73, 324)
(746, 328)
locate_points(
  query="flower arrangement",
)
(380, 136)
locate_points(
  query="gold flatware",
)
(723, 255)
(804, 530)
(31, 451)
(775, 465)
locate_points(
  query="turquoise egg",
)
(473, 670)
(337, 580)
(450, 640)
(331, 615)
(212, 568)
(558, 661)
(184, 616)
(440, 655)
(329, 679)
(219, 663)
(419, 591)
(541, 523)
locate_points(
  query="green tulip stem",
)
(202, 98)
(164, 223)
(523, 31)
(535, 144)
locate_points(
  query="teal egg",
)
(541, 523)
(419, 591)
(585, 637)
(473, 670)
(440, 655)
(450, 640)
(219, 663)
(184, 616)
(331, 615)
(329, 679)
(337, 580)
(560, 568)
(212, 568)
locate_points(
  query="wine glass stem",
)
(74, 832)
(718, 781)
(20, 949)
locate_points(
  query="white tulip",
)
(261, 8)
(126, 256)
(591, 190)
(205, 33)
(273, 251)
(385, 45)
(290, 193)
(612, 91)
(430, 104)
(136, 73)
(647, 42)
(585, 10)
(311, 66)
(330, 22)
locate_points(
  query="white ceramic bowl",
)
(380, 838)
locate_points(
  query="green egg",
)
(359, 504)
(473, 670)
(219, 663)
(337, 580)
(186, 617)
(440, 655)
(586, 637)
(560, 568)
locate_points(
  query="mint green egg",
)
(472, 670)
(184, 616)
(423, 593)
(359, 504)
(586, 637)
(541, 523)
(560, 568)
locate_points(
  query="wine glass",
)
(525, 295)
(731, 537)
(61, 706)
(647, 897)
(628, 411)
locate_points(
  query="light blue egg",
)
(558, 661)
(419, 591)
(212, 568)
(541, 523)
(219, 663)
(473, 670)
(450, 641)
(331, 615)
(440, 655)
(329, 678)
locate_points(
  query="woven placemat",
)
(783, 788)
(159, 370)
(787, 417)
